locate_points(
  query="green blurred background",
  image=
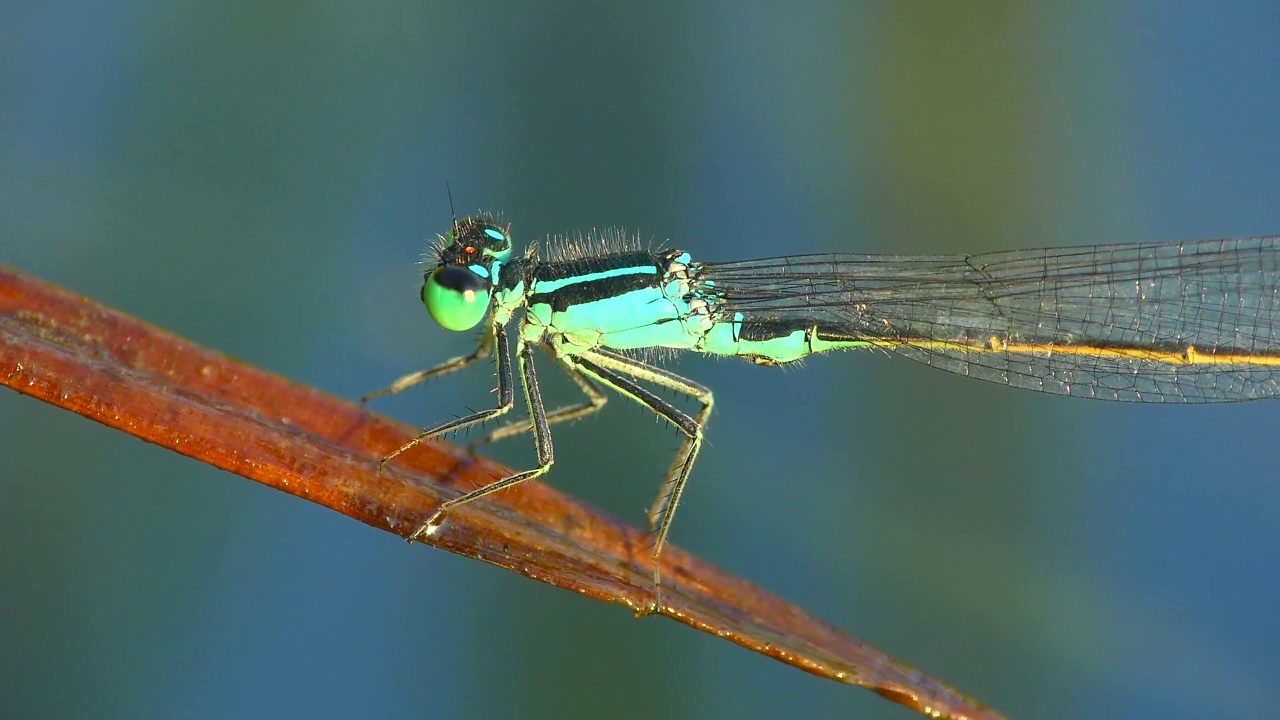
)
(262, 177)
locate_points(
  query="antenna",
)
(449, 191)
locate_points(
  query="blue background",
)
(261, 178)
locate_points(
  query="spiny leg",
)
(482, 351)
(506, 398)
(609, 367)
(596, 399)
(541, 441)
(664, 504)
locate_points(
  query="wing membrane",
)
(1169, 322)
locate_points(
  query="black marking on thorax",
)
(603, 288)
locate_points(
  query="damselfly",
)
(1189, 322)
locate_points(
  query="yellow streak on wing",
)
(1186, 356)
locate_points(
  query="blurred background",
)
(262, 178)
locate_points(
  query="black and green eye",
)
(456, 297)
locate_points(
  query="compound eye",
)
(456, 297)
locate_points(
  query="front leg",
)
(541, 439)
(482, 351)
(506, 397)
(596, 399)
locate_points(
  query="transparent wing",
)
(1172, 322)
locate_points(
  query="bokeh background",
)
(262, 178)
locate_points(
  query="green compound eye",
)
(456, 297)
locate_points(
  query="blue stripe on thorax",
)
(549, 277)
